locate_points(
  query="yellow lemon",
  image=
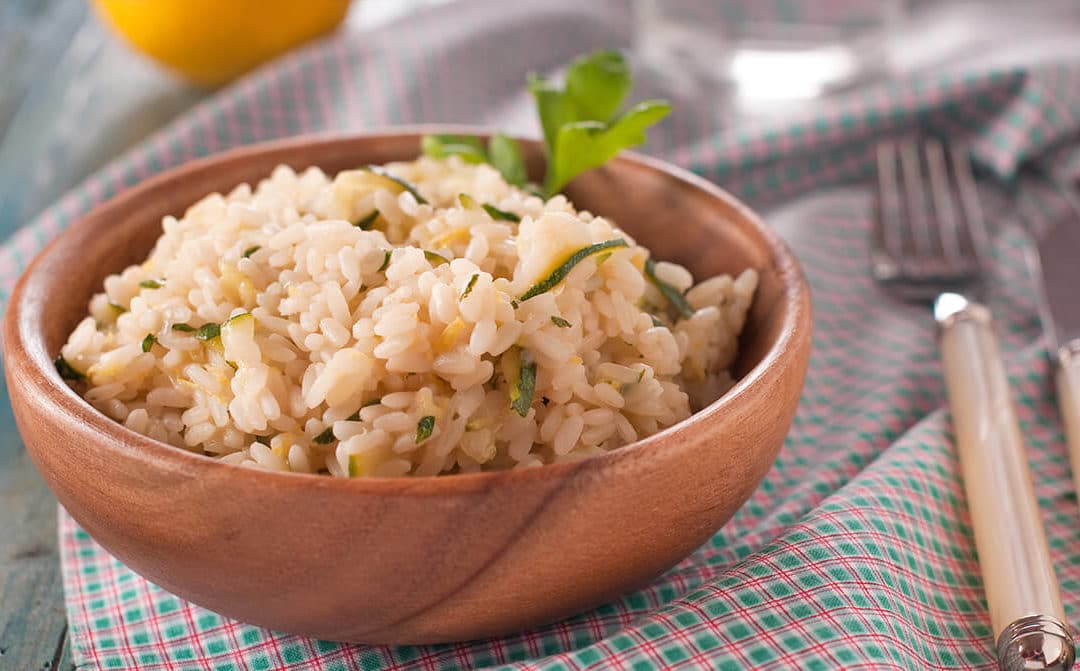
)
(213, 41)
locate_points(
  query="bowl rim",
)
(71, 407)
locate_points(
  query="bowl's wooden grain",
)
(409, 560)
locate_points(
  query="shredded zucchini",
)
(251, 250)
(404, 184)
(500, 215)
(434, 259)
(522, 382)
(469, 286)
(148, 342)
(367, 221)
(673, 296)
(152, 284)
(560, 322)
(183, 328)
(208, 331)
(560, 273)
(326, 437)
(66, 370)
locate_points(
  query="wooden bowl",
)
(411, 560)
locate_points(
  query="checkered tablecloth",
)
(856, 551)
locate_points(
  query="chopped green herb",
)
(470, 285)
(66, 370)
(522, 389)
(385, 262)
(183, 328)
(560, 322)
(251, 250)
(408, 186)
(505, 156)
(367, 221)
(355, 417)
(466, 201)
(673, 295)
(326, 437)
(265, 440)
(470, 149)
(560, 273)
(545, 400)
(208, 331)
(237, 317)
(434, 259)
(424, 428)
(656, 322)
(117, 308)
(152, 284)
(499, 215)
(148, 342)
(514, 304)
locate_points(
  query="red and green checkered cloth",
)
(856, 551)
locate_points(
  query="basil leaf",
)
(585, 145)
(469, 148)
(506, 157)
(598, 84)
(553, 108)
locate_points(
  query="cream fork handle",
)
(1018, 576)
(1068, 386)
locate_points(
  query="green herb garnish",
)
(434, 259)
(251, 250)
(117, 308)
(385, 262)
(148, 342)
(469, 148)
(560, 273)
(326, 437)
(583, 128)
(523, 388)
(656, 322)
(469, 286)
(66, 370)
(408, 186)
(183, 328)
(502, 152)
(560, 322)
(208, 331)
(499, 215)
(355, 417)
(367, 221)
(424, 428)
(673, 295)
(152, 284)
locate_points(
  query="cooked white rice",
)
(327, 361)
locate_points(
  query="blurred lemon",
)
(213, 41)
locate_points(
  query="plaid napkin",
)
(856, 551)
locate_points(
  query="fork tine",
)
(915, 197)
(972, 220)
(945, 210)
(889, 219)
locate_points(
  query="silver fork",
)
(929, 244)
